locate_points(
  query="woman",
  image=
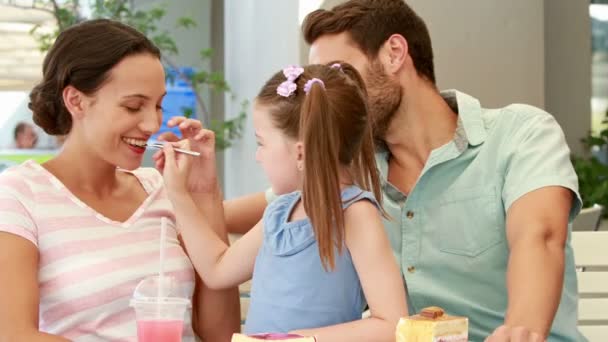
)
(79, 232)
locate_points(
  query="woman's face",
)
(122, 115)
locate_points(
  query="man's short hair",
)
(370, 23)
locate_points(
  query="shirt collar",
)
(470, 127)
(470, 130)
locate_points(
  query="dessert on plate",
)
(432, 324)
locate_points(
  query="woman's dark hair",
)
(82, 56)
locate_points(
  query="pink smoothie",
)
(159, 331)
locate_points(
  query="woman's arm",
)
(19, 299)
(380, 278)
(216, 314)
(244, 212)
(218, 265)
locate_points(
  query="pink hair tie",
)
(288, 87)
(310, 82)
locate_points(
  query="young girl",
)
(320, 252)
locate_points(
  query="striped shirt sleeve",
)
(14, 216)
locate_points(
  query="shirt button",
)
(410, 214)
(411, 269)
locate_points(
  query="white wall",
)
(261, 37)
(491, 49)
(568, 67)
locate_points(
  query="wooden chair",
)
(591, 257)
(589, 219)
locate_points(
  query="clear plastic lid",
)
(152, 290)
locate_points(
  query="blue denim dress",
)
(290, 289)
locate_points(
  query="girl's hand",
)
(203, 176)
(176, 168)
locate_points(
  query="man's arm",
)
(540, 196)
(537, 229)
(243, 213)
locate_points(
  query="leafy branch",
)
(592, 173)
(68, 13)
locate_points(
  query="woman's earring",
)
(300, 166)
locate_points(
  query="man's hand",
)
(517, 334)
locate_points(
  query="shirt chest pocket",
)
(468, 221)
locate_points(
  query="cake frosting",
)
(273, 337)
(432, 325)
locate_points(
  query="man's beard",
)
(384, 99)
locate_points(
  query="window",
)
(599, 65)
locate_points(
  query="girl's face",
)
(278, 154)
(120, 117)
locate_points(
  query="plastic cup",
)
(160, 319)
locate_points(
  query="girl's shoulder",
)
(282, 236)
(354, 194)
(282, 203)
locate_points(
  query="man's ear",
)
(75, 101)
(393, 53)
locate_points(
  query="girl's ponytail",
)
(321, 190)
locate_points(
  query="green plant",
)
(68, 12)
(593, 174)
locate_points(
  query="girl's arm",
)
(380, 278)
(216, 314)
(19, 291)
(218, 265)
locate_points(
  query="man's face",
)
(26, 138)
(384, 92)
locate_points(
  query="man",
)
(25, 136)
(480, 199)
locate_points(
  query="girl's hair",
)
(82, 56)
(333, 123)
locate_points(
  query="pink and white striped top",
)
(89, 265)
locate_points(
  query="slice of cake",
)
(274, 337)
(433, 325)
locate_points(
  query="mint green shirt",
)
(448, 234)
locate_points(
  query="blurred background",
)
(549, 53)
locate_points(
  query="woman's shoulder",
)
(21, 178)
(148, 173)
(150, 177)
